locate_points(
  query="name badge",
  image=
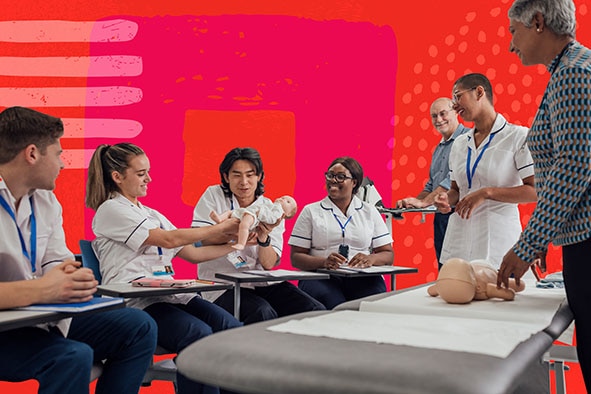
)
(236, 259)
(162, 269)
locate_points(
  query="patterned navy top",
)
(560, 144)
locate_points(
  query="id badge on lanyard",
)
(159, 268)
(471, 171)
(32, 257)
(343, 247)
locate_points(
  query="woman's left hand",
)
(360, 260)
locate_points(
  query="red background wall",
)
(303, 81)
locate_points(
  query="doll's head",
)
(289, 205)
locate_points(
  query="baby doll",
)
(250, 217)
(460, 282)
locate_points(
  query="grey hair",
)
(559, 15)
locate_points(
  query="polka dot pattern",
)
(477, 40)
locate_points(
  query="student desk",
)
(11, 319)
(273, 276)
(126, 290)
(384, 270)
(252, 359)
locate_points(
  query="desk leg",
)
(237, 300)
(392, 282)
(389, 219)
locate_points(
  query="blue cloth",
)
(336, 290)
(125, 337)
(269, 302)
(180, 325)
(439, 169)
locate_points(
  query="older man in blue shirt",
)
(445, 120)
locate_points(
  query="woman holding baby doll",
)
(134, 241)
(341, 229)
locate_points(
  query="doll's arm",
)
(493, 292)
(219, 217)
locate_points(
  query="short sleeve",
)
(117, 222)
(301, 234)
(209, 201)
(523, 160)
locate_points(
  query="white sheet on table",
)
(492, 337)
(413, 318)
(530, 306)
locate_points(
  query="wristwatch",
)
(266, 243)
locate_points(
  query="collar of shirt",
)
(461, 129)
(554, 63)
(327, 204)
(116, 196)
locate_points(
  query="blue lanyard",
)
(33, 256)
(470, 174)
(342, 225)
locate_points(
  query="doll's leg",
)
(243, 230)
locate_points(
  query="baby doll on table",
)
(460, 282)
(267, 212)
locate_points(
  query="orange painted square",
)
(209, 135)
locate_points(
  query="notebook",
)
(94, 303)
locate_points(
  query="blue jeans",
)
(180, 325)
(126, 338)
(439, 228)
(336, 290)
(269, 302)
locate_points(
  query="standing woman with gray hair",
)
(560, 143)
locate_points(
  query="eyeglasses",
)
(443, 114)
(458, 95)
(340, 177)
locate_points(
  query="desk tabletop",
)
(280, 275)
(383, 270)
(11, 319)
(126, 290)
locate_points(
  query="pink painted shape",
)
(75, 159)
(338, 78)
(72, 66)
(115, 30)
(101, 128)
(70, 97)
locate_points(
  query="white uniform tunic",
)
(317, 228)
(121, 228)
(50, 244)
(494, 226)
(213, 199)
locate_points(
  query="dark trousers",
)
(269, 302)
(126, 338)
(180, 325)
(576, 269)
(336, 290)
(439, 228)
